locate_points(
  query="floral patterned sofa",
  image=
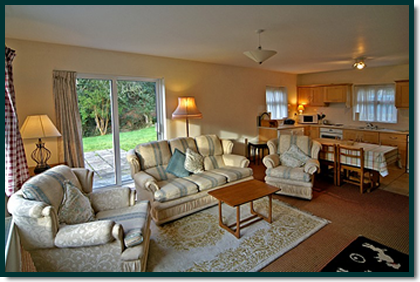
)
(67, 227)
(175, 192)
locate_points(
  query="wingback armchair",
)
(103, 230)
(291, 164)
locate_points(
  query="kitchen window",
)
(276, 100)
(375, 103)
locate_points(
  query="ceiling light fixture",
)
(260, 55)
(359, 64)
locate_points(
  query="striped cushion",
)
(233, 173)
(303, 142)
(289, 173)
(174, 189)
(131, 218)
(213, 162)
(209, 145)
(153, 154)
(133, 238)
(182, 143)
(207, 180)
(47, 187)
(159, 173)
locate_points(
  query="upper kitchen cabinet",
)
(311, 95)
(402, 94)
(322, 95)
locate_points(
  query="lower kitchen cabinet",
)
(361, 136)
(397, 140)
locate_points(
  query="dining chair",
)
(350, 162)
(328, 161)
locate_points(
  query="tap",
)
(371, 126)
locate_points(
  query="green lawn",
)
(128, 140)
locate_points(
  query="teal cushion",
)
(176, 164)
(133, 238)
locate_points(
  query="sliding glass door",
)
(117, 114)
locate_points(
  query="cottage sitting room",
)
(226, 139)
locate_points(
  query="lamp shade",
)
(301, 108)
(186, 109)
(38, 126)
(260, 55)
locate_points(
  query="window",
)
(118, 113)
(375, 103)
(276, 99)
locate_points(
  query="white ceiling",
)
(307, 38)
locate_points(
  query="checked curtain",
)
(16, 167)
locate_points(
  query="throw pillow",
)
(194, 162)
(133, 238)
(176, 164)
(294, 157)
(75, 207)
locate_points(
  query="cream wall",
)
(338, 113)
(230, 98)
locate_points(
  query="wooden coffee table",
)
(242, 193)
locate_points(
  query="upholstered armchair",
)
(67, 227)
(291, 164)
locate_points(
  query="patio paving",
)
(101, 162)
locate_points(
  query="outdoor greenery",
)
(128, 140)
(136, 105)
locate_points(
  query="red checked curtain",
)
(16, 172)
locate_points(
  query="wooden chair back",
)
(328, 159)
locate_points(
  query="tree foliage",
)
(136, 105)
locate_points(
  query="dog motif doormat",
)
(365, 255)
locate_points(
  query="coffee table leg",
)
(269, 219)
(238, 222)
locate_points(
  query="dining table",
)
(377, 157)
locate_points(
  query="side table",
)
(257, 148)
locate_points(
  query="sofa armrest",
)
(235, 160)
(316, 148)
(86, 234)
(18, 206)
(227, 146)
(134, 162)
(311, 166)
(146, 181)
(112, 198)
(271, 161)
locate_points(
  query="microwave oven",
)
(308, 118)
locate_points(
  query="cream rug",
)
(196, 243)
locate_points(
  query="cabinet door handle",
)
(392, 137)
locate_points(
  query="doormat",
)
(365, 255)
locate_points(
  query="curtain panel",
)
(276, 100)
(68, 118)
(16, 167)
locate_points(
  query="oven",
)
(331, 133)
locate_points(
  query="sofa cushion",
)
(285, 172)
(182, 143)
(207, 180)
(233, 173)
(75, 207)
(288, 160)
(131, 218)
(175, 188)
(194, 162)
(48, 186)
(133, 238)
(153, 154)
(209, 145)
(213, 162)
(303, 142)
(176, 164)
(159, 173)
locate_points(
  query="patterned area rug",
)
(196, 243)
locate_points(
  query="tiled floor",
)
(397, 181)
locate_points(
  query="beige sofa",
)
(172, 197)
(98, 244)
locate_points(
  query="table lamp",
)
(39, 126)
(300, 109)
(187, 109)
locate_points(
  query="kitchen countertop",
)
(350, 127)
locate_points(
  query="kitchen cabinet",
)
(336, 93)
(402, 94)
(312, 132)
(310, 95)
(265, 134)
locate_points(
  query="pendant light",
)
(359, 63)
(260, 55)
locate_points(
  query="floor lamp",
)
(39, 126)
(187, 109)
